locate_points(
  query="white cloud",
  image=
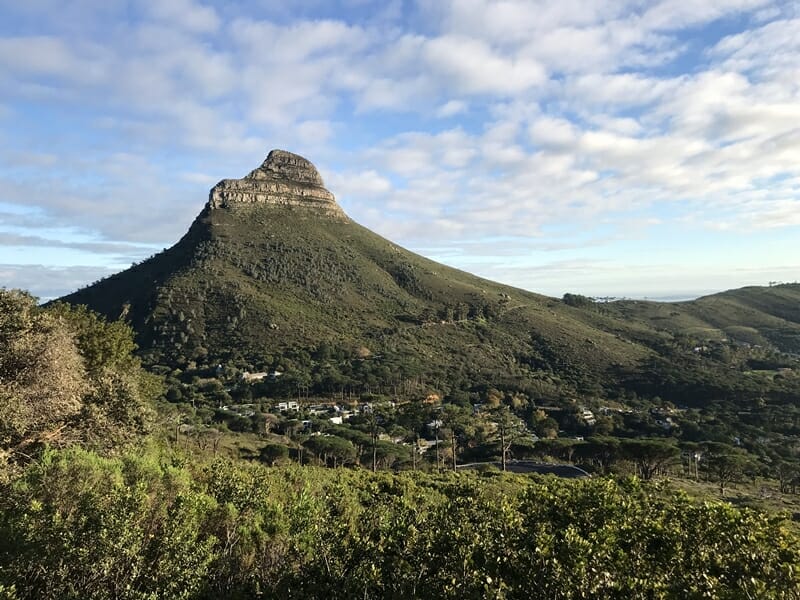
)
(199, 178)
(185, 14)
(768, 53)
(618, 90)
(675, 14)
(473, 67)
(451, 108)
(518, 21)
(553, 133)
(50, 56)
(48, 283)
(539, 119)
(353, 186)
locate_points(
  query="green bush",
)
(142, 526)
(80, 526)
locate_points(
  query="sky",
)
(608, 148)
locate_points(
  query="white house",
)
(251, 377)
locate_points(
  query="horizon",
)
(647, 151)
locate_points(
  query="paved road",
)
(524, 466)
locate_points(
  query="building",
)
(252, 377)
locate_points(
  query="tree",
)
(102, 344)
(274, 453)
(577, 300)
(725, 463)
(787, 473)
(271, 421)
(560, 448)
(292, 427)
(543, 425)
(650, 456)
(509, 428)
(360, 440)
(388, 453)
(458, 424)
(68, 376)
(118, 409)
(342, 451)
(327, 447)
(41, 373)
(602, 451)
(377, 415)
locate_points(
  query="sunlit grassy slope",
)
(755, 315)
(255, 281)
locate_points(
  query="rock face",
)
(284, 179)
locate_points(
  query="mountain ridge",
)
(270, 270)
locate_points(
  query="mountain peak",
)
(281, 163)
(283, 179)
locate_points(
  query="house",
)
(424, 445)
(336, 420)
(252, 377)
(588, 417)
(432, 398)
(289, 405)
(667, 423)
(435, 425)
(243, 410)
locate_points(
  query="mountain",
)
(273, 273)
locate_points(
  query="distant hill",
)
(273, 272)
(766, 316)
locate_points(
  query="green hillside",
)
(258, 280)
(273, 275)
(766, 316)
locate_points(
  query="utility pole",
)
(503, 445)
(438, 460)
(453, 444)
(374, 451)
(374, 423)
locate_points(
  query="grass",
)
(762, 494)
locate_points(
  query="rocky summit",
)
(283, 179)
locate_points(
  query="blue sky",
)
(611, 148)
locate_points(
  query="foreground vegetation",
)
(67, 376)
(95, 503)
(147, 524)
